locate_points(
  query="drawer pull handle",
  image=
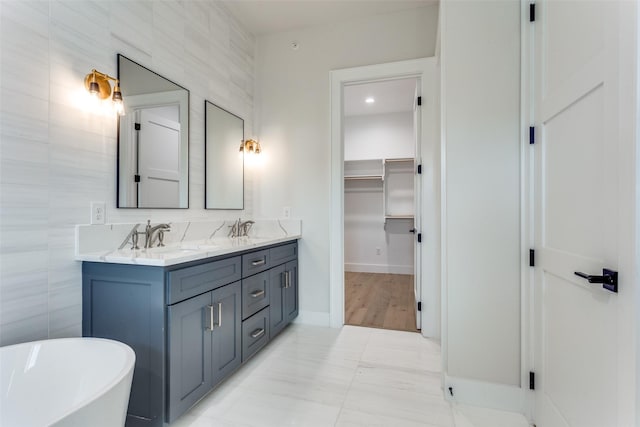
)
(256, 294)
(210, 322)
(219, 324)
(258, 262)
(257, 333)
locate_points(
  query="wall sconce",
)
(98, 85)
(250, 146)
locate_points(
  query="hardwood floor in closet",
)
(377, 300)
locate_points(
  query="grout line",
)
(353, 377)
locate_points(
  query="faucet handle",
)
(134, 241)
(161, 236)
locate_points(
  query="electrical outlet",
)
(286, 212)
(98, 212)
(378, 251)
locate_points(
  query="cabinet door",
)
(189, 357)
(291, 292)
(226, 344)
(276, 300)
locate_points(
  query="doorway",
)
(427, 260)
(380, 124)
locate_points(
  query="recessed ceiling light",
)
(370, 100)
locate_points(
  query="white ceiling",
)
(273, 16)
(391, 96)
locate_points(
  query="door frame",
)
(425, 69)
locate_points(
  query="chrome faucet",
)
(234, 229)
(133, 237)
(240, 228)
(150, 234)
(245, 227)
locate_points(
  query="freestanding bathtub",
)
(77, 382)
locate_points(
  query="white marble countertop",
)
(178, 253)
(185, 241)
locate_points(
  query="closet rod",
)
(404, 160)
(363, 177)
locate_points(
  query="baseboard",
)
(484, 394)
(378, 268)
(315, 318)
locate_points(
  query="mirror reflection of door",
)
(153, 140)
(159, 155)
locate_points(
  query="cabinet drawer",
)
(255, 333)
(255, 262)
(284, 253)
(191, 281)
(255, 293)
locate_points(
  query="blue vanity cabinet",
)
(204, 345)
(127, 303)
(283, 306)
(291, 291)
(190, 325)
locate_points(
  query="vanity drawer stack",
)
(191, 325)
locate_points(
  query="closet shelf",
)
(409, 216)
(400, 160)
(363, 177)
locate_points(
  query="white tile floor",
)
(312, 376)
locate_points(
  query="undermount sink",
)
(172, 250)
(198, 247)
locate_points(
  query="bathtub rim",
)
(127, 370)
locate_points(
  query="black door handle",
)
(413, 230)
(609, 279)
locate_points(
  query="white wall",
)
(369, 246)
(56, 157)
(293, 123)
(379, 136)
(481, 116)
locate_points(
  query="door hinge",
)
(532, 12)
(532, 135)
(532, 258)
(419, 100)
(136, 178)
(136, 126)
(419, 237)
(532, 381)
(419, 305)
(419, 169)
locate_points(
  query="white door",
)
(576, 323)
(159, 161)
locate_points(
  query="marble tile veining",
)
(57, 154)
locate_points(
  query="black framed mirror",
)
(224, 162)
(153, 140)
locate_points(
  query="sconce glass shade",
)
(117, 94)
(250, 146)
(97, 84)
(94, 89)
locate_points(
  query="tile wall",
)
(56, 157)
